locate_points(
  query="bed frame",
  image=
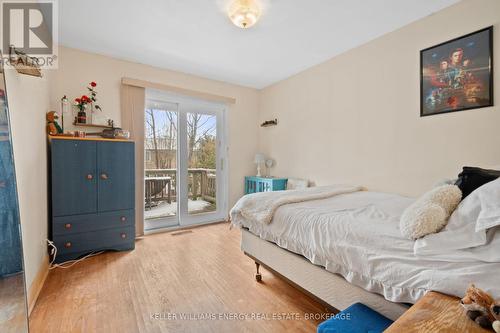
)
(330, 289)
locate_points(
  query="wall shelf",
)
(23, 63)
(269, 123)
(91, 125)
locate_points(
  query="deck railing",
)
(202, 184)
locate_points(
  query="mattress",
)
(357, 236)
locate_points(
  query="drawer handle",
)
(90, 177)
(67, 225)
(123, 219)
(67, 245)
(104, 176)
(123, 235)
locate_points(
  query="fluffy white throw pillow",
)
(430, 213)
(297, 184)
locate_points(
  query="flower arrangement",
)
(93, 94)
(81, 102)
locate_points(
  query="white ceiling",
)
(196, 37)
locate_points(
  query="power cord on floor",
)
(69, 263)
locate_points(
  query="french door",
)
(185, 161)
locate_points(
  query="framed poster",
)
(458, 74)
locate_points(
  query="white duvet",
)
(357, 236)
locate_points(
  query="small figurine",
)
(53, 127)
(478, 305)
(495, 310)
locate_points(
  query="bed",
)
(348, 248)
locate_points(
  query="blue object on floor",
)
(358, 318)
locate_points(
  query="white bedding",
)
(260, 207)
(472, 232)
(357, 236)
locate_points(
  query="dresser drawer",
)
(89, 222)
(109, 239)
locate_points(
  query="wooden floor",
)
(199, 274)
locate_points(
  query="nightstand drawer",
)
(95, 241)
(67, 225)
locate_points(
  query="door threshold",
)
(180, 227)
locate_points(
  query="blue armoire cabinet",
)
(92, 196)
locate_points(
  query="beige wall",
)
(78, 68)
(28, 99)
(355, 118)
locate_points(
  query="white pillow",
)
(466, 226)
(430, 212)
(489, 197)
(296, 184)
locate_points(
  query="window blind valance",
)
(178, 90)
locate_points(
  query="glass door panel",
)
(202, 162)
(185, 179)
(160, 165)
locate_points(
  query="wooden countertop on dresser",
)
(87, 138)
(435, 312)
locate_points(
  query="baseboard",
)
(37, 285)
(178, 227)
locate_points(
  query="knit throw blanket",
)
(260, 207)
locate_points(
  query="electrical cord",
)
(69, 263)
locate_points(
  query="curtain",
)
(132, 112)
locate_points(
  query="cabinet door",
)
(115, 165)
(74, 184)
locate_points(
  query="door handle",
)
(104, 176)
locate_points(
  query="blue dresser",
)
(92, 191)
(255, 184)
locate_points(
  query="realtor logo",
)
(30, 27)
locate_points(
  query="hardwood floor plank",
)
(202, 273)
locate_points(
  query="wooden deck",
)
(160, 185)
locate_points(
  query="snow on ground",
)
(165, 209)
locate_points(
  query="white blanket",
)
(357, 236)
(260, 207)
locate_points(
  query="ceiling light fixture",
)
(244, 13)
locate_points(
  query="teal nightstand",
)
(255, 184)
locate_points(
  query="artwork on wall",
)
(458, 74)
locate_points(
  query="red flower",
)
(93, 84)
(78, 100)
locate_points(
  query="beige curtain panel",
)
(133, 101)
